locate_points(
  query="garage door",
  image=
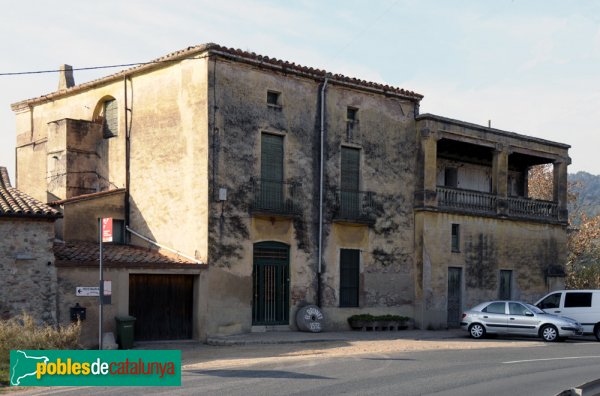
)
(162, 306)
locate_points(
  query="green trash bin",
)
(125, 331)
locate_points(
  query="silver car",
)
(517, 318)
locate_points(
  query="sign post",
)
(105, 231)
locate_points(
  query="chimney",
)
(65, 79)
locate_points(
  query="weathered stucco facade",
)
(226, 156)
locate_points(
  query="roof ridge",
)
(246, 56)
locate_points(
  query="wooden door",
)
(162, 306)
(454, 296)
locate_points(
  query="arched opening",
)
(107, 114)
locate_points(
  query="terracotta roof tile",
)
(15, 203)
(78, 253)
(235, 54)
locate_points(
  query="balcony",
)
(275, 197)
(525, 207)
(485, 203)
(355, 207)
(471, 201)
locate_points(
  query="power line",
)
(100, 67)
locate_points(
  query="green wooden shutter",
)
(350, 177)
(349, 277)
(271, 164)
(271, 172)
(350, 169)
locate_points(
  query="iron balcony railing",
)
(275, 196)
(526, 207)
(475, 201)
(355, 206)
(467, 200)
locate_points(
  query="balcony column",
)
(559, 194)
(500, 178)
(428, 195)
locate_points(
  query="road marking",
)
(545, 360)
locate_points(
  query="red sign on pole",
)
(107, 229)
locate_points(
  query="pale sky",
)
(529, 66)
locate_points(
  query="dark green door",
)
(505, 290)
(271, 284)
(350, 179)
(271, 172)
(454, 296)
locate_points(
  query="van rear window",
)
(573, 300)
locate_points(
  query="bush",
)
(21, 332)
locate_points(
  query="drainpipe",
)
(127, 158)
(319, 267)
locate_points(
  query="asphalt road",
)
(533, 369)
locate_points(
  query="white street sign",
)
(87, 291)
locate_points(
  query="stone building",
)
(27, 271)
(284, 185)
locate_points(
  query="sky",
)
(528, 66)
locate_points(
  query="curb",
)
(229, 342)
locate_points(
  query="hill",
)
(587, 188)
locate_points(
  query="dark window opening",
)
(351, 114)
(456, 238)
(273, 98)
(118, 231)
(349, 277)
(451, 177)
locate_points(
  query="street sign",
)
(107, 229)
(90, 291)
(86, 291)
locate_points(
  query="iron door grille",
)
(349, 277)
(271, 284)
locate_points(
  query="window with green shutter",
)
(349, 277)
(350, 179)
(271, 171)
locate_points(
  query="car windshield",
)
(534, 309)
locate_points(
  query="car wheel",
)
(477, 330)
(597, 331)
(549, 333)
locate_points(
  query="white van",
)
(581, 305)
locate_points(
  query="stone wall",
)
(487, 245)
(27, 269)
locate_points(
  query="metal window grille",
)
(349, 277)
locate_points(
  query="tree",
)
(583, 243)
